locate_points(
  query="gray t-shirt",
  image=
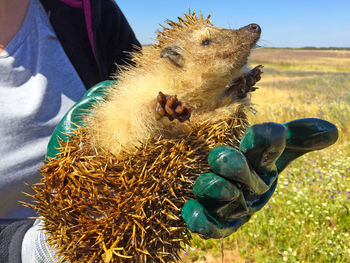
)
(38, 84)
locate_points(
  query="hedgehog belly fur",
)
(127, 117)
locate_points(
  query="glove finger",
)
(100, 88)
(306, 135)
(199, 221)
(210, 187)
(222, 199)
(231, 164)
(256, 202)
(262, 144)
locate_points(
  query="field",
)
(308, 217)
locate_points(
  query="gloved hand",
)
(243, 181)
(75, 116)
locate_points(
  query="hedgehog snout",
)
(250, 34)
(253, 28)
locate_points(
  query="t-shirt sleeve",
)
(11, 237)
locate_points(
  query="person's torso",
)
(38, 84)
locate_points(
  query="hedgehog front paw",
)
(253, 76)
(241, 86)
(169, 106)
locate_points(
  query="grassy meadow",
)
(308, 217)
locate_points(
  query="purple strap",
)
(85, 4)
(73, 3)
(88, 18)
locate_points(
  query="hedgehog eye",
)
(206, 42)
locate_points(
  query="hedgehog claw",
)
(170, 107)
(241, 86)
(160, 112)
(253, 76)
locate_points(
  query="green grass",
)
(288, 96)
(308, 217)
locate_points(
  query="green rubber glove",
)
(243, 181)
(75, 116)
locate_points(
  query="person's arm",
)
(11, 238)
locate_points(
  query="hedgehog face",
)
(210, 58)
(222, 50)
(213, 47)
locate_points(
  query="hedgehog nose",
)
(253, 28)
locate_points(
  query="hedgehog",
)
(114, 192)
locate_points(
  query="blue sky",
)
(284, 23)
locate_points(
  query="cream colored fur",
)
(127, 116)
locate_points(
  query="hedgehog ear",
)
(174, 54)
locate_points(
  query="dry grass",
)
(305, 60)
(286, 94)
